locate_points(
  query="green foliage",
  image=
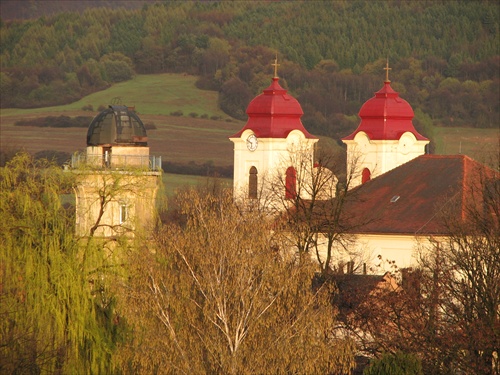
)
(51, 321)
(395, 364)
(117, 67)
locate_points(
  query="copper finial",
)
(387, 71)
(276, 66)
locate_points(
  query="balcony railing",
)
(110, 161)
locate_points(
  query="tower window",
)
(252, 183)
(291, 183)
(365, 175)
(123, 213)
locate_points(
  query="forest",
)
(443, 54)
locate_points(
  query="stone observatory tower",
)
(117, 179)
(271, 147)
(385, 138)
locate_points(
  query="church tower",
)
(117, 179)
(271, 147)
(385, 138)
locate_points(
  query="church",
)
(396, 190)
(399, 190)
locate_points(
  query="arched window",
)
(252, 183)
(291, 183)
(366, 175)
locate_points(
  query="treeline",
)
(66, 121)
(57, 122)
(444, 55)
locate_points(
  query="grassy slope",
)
(158, 94)
(186, 139)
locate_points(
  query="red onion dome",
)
(274, 114)
(386, 116)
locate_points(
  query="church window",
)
(291, 183)
(252, 183)
(365, 175)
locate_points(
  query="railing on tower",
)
(109, 161)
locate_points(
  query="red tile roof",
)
(408, 199)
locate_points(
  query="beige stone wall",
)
(117, 202)
(380, 252)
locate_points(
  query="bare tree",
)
(221, 295)
(462, 275)
(312, 205)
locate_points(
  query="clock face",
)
(252, 142)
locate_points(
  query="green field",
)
(180, 139)
(158, 94)
(480, 144)
(174, 182)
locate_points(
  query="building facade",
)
(117, 178)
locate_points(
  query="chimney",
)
(350, 267)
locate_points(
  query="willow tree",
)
(54, 304)
(219, 295)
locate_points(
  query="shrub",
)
(177, 113)
(58, 157)
(193, 114)
(395, 364)
(88, 107)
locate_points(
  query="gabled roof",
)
(408, 199)
(274, 114)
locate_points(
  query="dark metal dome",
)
(117, 125)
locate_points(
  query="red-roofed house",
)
(401, 209)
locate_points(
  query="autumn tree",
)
(218, 294)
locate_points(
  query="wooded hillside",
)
(444, 55)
